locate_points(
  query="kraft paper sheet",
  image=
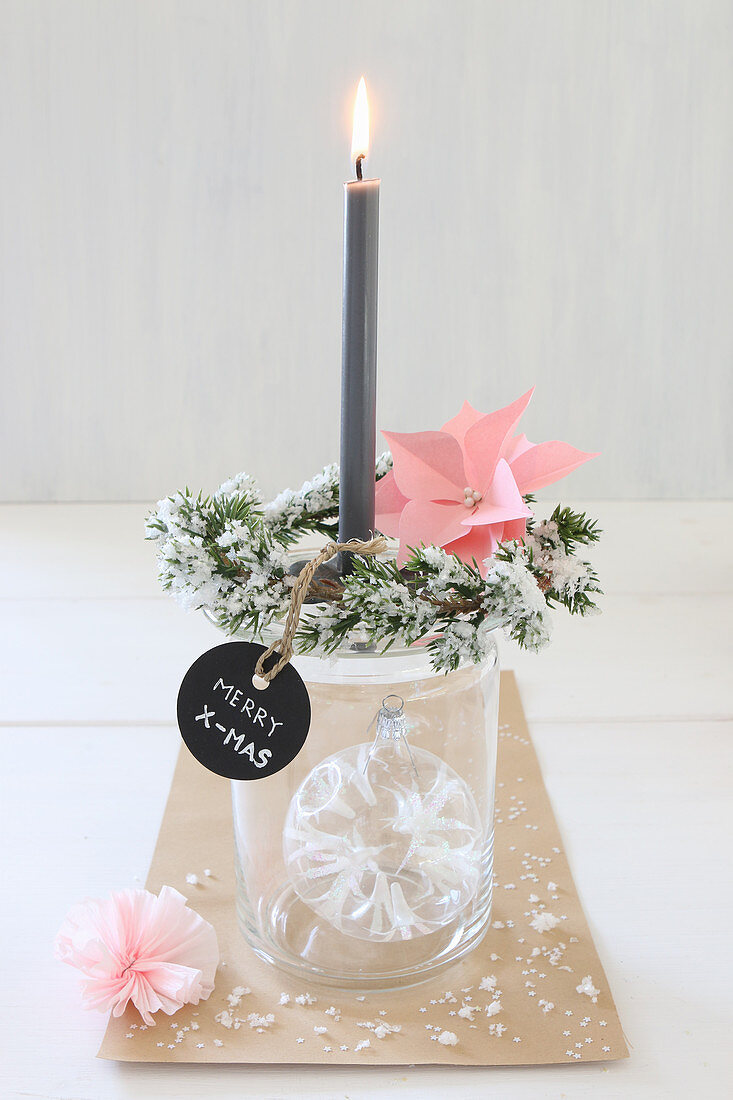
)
(543, 1017)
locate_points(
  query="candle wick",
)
(359, 159)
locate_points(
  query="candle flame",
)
(360, 133)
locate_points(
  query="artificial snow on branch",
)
(228, 554)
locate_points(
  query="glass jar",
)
(367, 861)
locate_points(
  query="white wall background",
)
(556, 208)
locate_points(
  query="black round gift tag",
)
(232, 727)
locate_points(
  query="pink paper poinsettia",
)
(462, 488)
(134, 946)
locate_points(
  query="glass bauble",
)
(384, 841)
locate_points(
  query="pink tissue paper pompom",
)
(134, 946)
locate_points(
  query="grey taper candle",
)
(359, 362)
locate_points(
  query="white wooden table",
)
(630, 713)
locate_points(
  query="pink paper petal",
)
(515, 447)
(545, 463)
(479, 543)
(429, 523)
(515, 530)
(484, 441)
(389, 503)
(459, 425)
(502, 500)
(427, 465)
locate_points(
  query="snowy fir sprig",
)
(314, 507)
(550, 547)
(228, 554)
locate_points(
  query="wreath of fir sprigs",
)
(228, 554)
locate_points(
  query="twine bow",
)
(284, 645)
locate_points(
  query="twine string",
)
(284, 646)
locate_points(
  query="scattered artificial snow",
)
(544, 922)
(448, 1038)
(260, 1022)
(586, 986)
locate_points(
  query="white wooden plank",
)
(643, 812)
(98, 550)
(679, 547)
(99, 661)
(91, 551)
(644, 657)
(107, 661)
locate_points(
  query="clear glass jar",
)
(388, 840)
